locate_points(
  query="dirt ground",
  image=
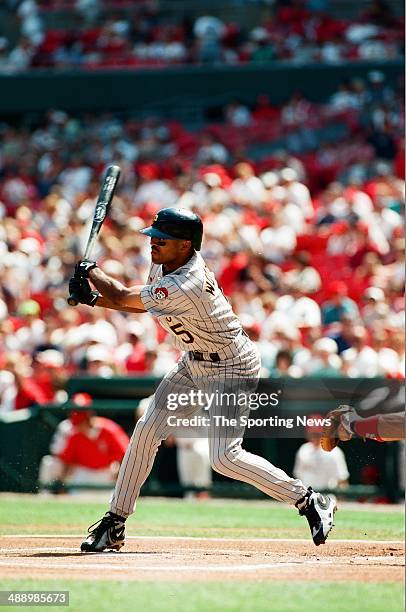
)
(203, 559)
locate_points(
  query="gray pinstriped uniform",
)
(189, 304)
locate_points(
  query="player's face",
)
(167, 251)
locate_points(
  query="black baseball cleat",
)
(319, 510)
(107, 533)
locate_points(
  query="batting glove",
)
(81, 289)
(83, 268)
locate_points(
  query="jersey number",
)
(186, 336)
(178, 330)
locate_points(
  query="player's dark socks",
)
(303, 501)
(117, 517)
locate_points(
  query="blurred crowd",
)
(308, 248)
(139, 34)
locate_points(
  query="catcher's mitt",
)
(339, 428)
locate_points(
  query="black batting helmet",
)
(176, 224)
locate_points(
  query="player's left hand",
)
(80, 287)
(83, 268)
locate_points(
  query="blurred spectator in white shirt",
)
(392, 358)
(31, 22)
(301, 310)
(303, 276)
(288, 212)
(278, 240)
(324, 360)
(32, 331)
(20, 57)
(75, 178)
(154, 189)
(88, 8)
(208, 31)
(8, 391)
(317, 468)
(100, 361)
(246, 187)
(360, 359)
(238, 114)
(375, 309)
(343, 99)
(298, 193)
(211, 151)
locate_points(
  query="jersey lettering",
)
(210, 283)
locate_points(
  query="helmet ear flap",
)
(197, 234)
(197, 242)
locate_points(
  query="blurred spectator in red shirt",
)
(263, 110)
(85, 449)
(48, 372)
(339, 304)
(36, 379)
(136, 360)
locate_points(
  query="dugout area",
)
(25, 436)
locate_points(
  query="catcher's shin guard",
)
(319, 510)
(107, 533)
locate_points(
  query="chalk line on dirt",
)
(163, 568)
(204, 538)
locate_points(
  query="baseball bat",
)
(100, 212)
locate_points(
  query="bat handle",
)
(73, 300)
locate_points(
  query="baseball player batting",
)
(183, 294)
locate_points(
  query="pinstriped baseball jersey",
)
(189, 304)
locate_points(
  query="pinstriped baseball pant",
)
(226, 453)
